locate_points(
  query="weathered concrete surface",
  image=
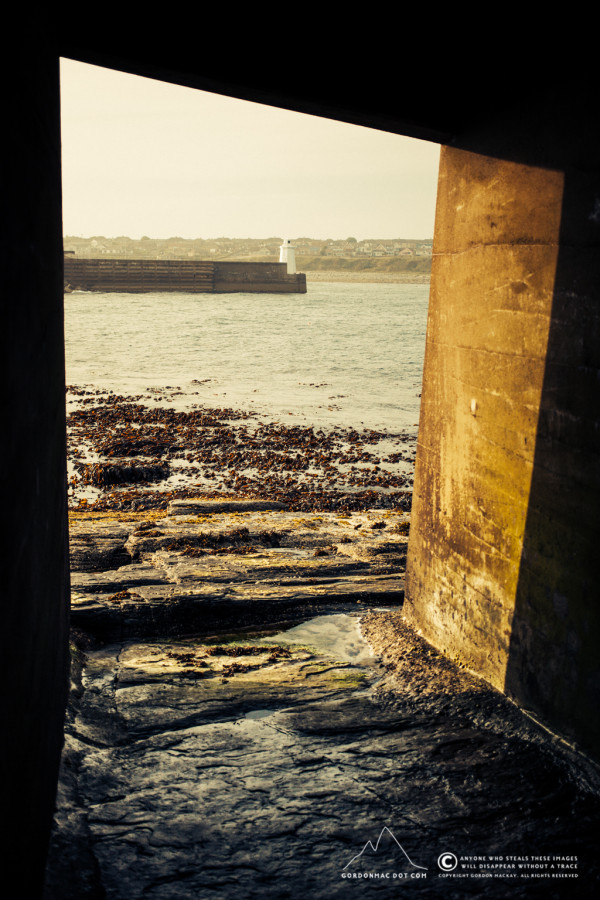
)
(500, 570)
(186, 572)
(261, 767)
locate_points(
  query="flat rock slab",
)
(99, 548)
(152, 610)
(261, 767)
(186, 572)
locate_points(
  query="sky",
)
(142, 157)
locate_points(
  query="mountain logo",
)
(384, 835)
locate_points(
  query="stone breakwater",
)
(178, 275)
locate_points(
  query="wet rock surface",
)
(241, 726)
(262, 766)
(200, 566)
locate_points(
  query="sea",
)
(341, 355)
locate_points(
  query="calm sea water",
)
(342, 354)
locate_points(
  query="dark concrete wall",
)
(34, 627)
(502, 569)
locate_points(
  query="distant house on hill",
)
(341, 248)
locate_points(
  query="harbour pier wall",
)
(187, 275)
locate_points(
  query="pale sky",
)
(141, 157)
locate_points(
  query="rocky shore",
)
(139, 452)
(248, 707)
(171, 530)
(223, 564)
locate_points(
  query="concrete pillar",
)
(501, 565)
(34, 609)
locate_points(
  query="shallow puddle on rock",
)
(260, 713)
(337, 635)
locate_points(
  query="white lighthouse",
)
(287, 254)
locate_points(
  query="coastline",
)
(367, 276)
